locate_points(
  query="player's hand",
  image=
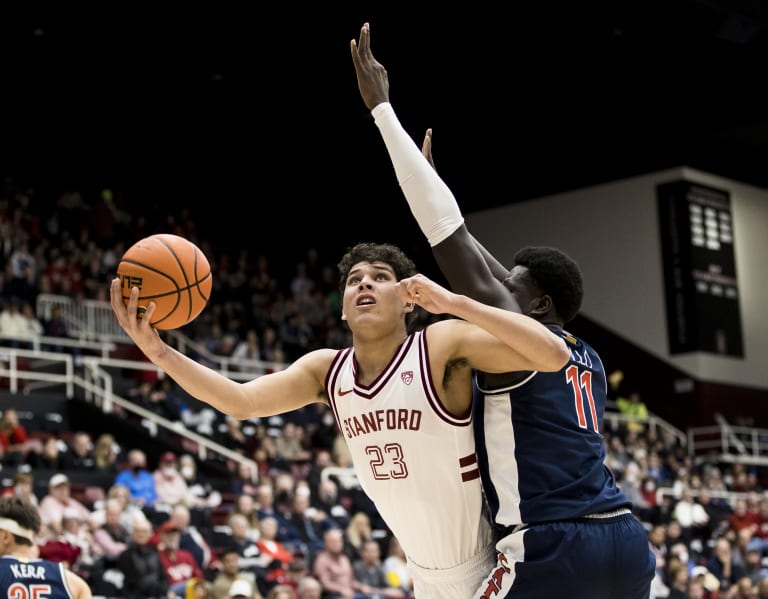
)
(138, 328)
(420, 290)
(372, 77)
(426, 148)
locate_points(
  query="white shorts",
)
(459, 582)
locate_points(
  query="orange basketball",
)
(170, 271)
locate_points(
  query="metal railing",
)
(92, 321)
(730, 443)
(90, 375)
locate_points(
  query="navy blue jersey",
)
(33, 578)
(547, 427)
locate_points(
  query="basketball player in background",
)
(21, 573)
(564, 527)
(402, 402)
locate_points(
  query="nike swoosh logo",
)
(343, 393)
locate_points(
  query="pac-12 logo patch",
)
(407, 376)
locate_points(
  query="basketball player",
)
(21, 573)
(402, 402)
(564, 527)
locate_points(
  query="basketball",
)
(170, 271)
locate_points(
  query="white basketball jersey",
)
(414, 460)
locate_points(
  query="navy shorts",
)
(588, 558)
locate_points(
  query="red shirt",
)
(179, 565)
(17, 436)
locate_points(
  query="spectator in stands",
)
(13, 438)
(742, 517)
(396, 567)
(22, 486)
(170, 485)
(290, 444)
(34, 326)
(111, 537)
(231, 435)
(51, 457)
(310, 522)
(138, 480)
(718, 509)
(265, 498)
(179, 564)
(242, 589)
(357, 532)
(58, 500)
(333, 567)
(77, 532)
(105, 458)
(201, 491)
(753, 562)
(279, 556)
(251, 558)
(281, 591)
(130, 510)
(144, 574)
(191, 538)
(723, 565)
(370, 577)
(56, 547)
(657, 537)
(744, 589)
(762, 588)
(54, 325)
(310, 588)
(79, 455)
(295, 571)
(229, 572)
(13, 324)
(245, 480)
(329, 502)
(244, 504)
(691, 515)
(159, 397)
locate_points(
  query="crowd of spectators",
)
(286, 530)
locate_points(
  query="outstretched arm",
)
(445, 251)
(467, 266)
(296, 386)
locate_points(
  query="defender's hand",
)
(372, 77)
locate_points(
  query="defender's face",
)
(522, 288)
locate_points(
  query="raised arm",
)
(467, 266)
(525, 343)
(296, 386)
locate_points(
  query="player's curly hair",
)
(375, 252)
(557, 275)
(23, 513)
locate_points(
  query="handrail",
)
(652, 423)
(97, 387)
(38, 342)
(92, 321)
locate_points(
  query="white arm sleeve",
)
(430, 199)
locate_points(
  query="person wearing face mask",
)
(138, 480)
(170, 485)
(201, 491)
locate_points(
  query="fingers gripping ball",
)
(170, 271)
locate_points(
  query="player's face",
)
(524, 290)
(371, 289)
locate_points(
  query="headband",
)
(13, 527)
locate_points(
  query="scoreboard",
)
(699, 266)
